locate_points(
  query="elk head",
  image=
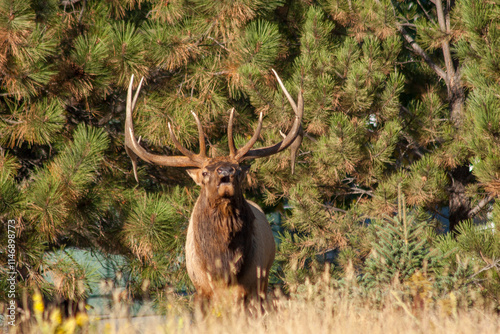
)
(220, 175)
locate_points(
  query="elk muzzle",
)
(226, 180)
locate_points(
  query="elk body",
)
(229, 244)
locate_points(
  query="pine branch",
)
(425, 12)
(495, 264)
(418, 50)
(80, 17)
(444, 25)
(357, 191)
(332, 208)
(8, 121)
(480, 206)
(69, 2)
(218, 43)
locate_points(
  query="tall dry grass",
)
(312, 308)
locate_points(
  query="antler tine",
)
(201, 136)
(135, 150)
(241, 152)
(285, 91)
(136, 95)
(230, 138)
(129, 135)
(293, 137)
(295, 145)
(179, 146)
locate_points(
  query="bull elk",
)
(229, 244)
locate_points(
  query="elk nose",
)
(225, 171)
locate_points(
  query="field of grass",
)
(312, 308)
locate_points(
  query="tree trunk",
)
(456, 98)
(459, 203)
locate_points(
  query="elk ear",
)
(196, 175)
(244, 171)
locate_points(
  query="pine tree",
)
(400, 249)
(392, 97)
(402, 113)
(470, 261)
(66, 179)
(456, 41)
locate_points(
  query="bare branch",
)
(218, 43)
(447, 15)
(495, 264)
(443, 25)
(425, 12)
(69, 2)
(9, 121)
(80, 17)
(357, 191)
(480, 206)
(440, 15)
(332, 208)
(418, 50)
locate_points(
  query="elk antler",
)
(135, 150)
(190, 159)
(294, 137)
(233, 152)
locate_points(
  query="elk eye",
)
(204, 174)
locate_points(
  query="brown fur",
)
(229, 241)
(222, 236)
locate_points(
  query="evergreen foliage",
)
(397, 94)
(400, 249)
(471, 259)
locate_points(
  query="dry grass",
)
(315, 309)
(303, 318)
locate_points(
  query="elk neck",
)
(223, 229)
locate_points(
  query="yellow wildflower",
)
(55, 317)
(38, 303)
(82, 319)
(69, 326)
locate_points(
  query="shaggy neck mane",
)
(222, 236)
